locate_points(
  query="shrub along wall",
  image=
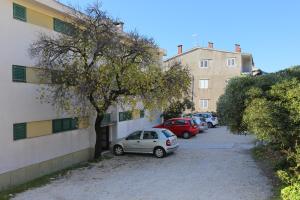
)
(269, 107)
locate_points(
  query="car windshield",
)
(197, 120)
(192, 122)
(167, 133)
(202, 119)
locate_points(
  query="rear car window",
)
(167, 133)
(168, 123)
(180, 122)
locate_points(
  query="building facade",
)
(211, 69)
(34, 139)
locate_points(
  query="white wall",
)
(126, 127)
(18, 101)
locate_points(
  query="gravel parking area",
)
(214, 165)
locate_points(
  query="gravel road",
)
(214, 165)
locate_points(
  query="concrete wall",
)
(217, 73)
(18, 101)
(37, 170)
(127, 127)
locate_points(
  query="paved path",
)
(215, 165)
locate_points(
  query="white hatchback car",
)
(212, 121)
(157, 141)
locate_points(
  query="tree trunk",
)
(98, 130)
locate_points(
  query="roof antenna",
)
(196, 39)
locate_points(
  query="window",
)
(167, 133)
(20, 131)
(168, 123)
(19, 73)
(19, 12)
(204, 103)
(203, 84)
(124, 116)
(230, 62)
(57, 126)
(150, 135)
(180, 122)
(142, 113)
(106, 118)
(134, 136)
(62, 27)
(203, 63)
(67, 124)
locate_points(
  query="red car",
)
(181, 127)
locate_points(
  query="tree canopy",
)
(96, 66)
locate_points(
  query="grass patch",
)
(44, 180)
(270, 161)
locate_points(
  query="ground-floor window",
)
(204, 103)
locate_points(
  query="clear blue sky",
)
(269, 29)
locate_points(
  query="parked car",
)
(212, 121)
(155, 141)
(202, 124)
(181, 127)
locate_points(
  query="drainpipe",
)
(193, 85)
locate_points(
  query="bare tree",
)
(94, 65)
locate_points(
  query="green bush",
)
(176, 109)
(269, 107)
(291, 192)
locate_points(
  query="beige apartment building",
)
(211, 69)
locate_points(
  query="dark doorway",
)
(105, 138)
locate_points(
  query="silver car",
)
(157, 141)
(202, 124)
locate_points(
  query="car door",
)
(149, 141)
(132, 142)
(180, 126)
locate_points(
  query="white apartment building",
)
(34, 139)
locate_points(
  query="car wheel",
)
(210, 125)
(118, 150)
(159, 152)
(186, 135)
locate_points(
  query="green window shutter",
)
(19, 12)
(19, 73)
(66, 124)
(62, 27)
(20, 131)
(58, 25)
(122, 116)
(129, 115)
(74, 123)
(106, 118)
(57, 126)
(142, 113)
